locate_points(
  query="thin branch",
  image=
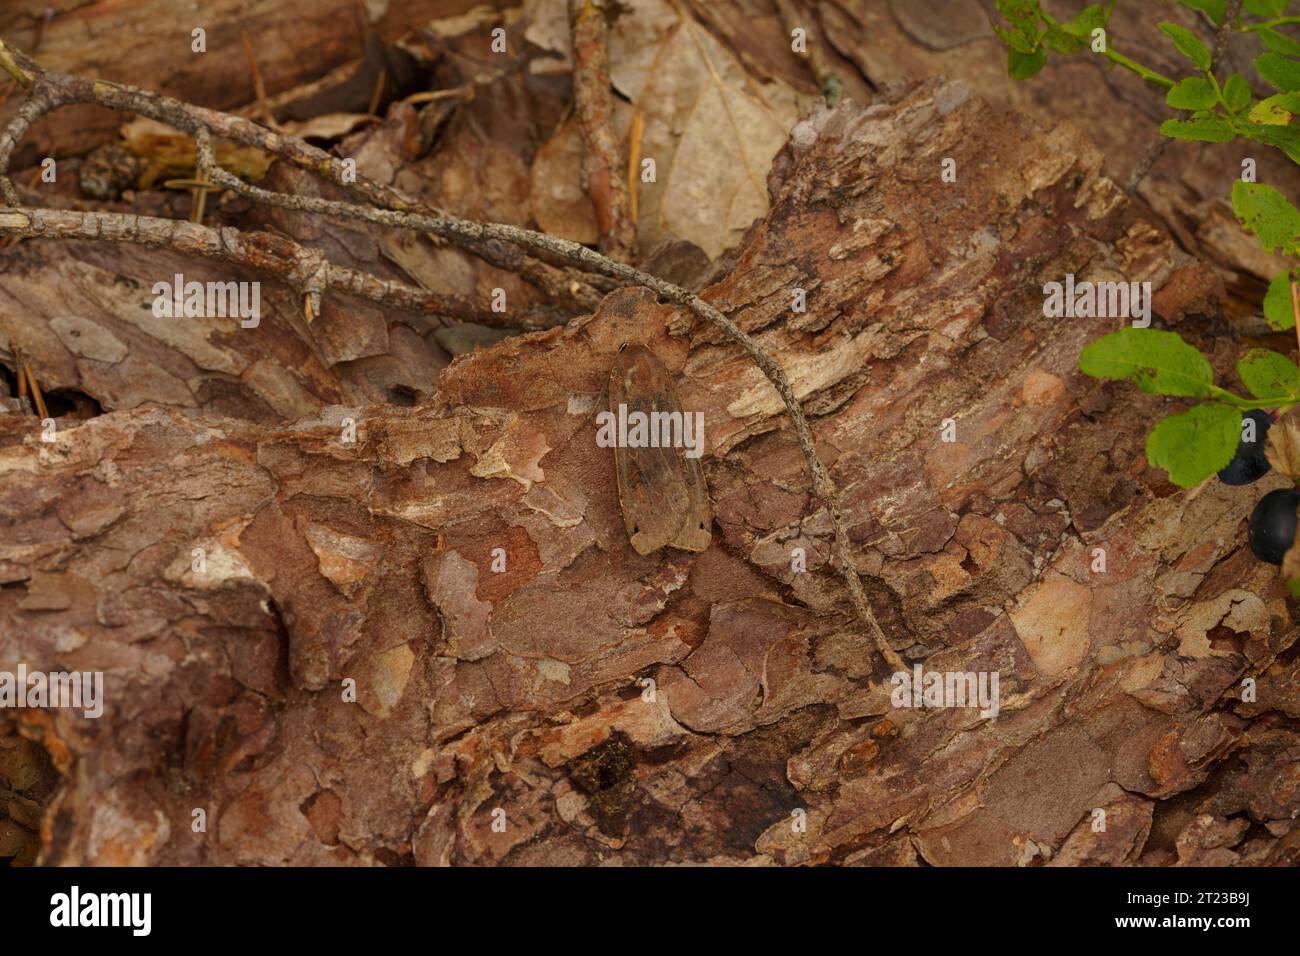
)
(50, 90)
(259, 85)
(602, 164)
(1158, 146)
(38, 399)
(307, 271)
(457, 229)
(1225, 31)
(395, 210)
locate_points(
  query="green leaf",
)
(1266, 8)
(1280, 72)
(1155, 361)
(1085, 21)
(1217, 9)
(1017, 41)
(1276, 110)
(1188, 44)
(1293, 586)
(1268, 374)
(1265, 212)
(1195, 444)
(1279, 42)
(1283, 137)
(1193, 93)
(1236, 92)
(1023, 15)
(1057, 39)
(1207, 129)
(1277, 303)
(1021, 66)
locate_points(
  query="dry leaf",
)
(711, 129)
(560, 206)
(170, 153)
(1291, 563)
(330, 126)
(1283, 448)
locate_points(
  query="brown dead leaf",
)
(330, 126)
(711, 129)
(560, 206)
(169, 153)
(1291, 563)
(1283, 447)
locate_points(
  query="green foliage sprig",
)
(1194, 444)
(1220, 108)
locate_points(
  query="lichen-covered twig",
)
(593, 103)
(48, 90)
(307, 271)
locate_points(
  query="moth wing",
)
(664, 498)
(696, 530)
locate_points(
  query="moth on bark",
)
(661, 486)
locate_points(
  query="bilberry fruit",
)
(1250, 463)
(1272, 525)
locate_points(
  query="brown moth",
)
(661, 489)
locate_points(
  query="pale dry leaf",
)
(1283, 447)
(329, 126)
(548, 29)
(711, 129)
(169, 153)
(1291, 563)
(478, 18)
(560, 206)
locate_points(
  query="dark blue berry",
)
(1272, 525)
(1250, 463)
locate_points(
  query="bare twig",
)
(455, 229)
(378, 95)
(49, 90)
(259, 85)
(309, 272)
(1147, 160)
(635, 134)
(27, 386)
(1225, 31)
(602, 163)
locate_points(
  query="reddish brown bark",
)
(523, 691)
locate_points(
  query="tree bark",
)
(528, 690)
